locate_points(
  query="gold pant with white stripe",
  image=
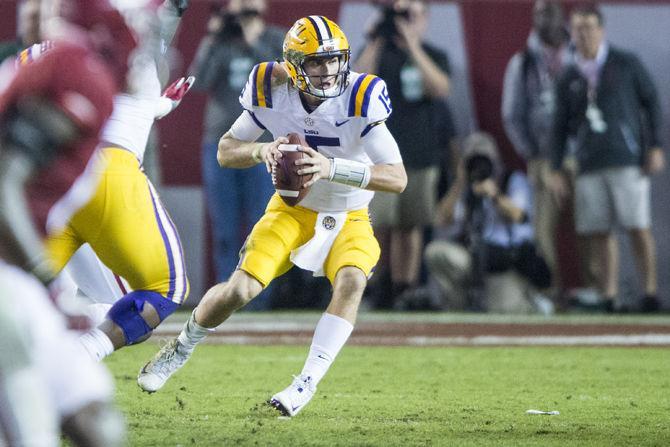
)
(282, 229)
(128, 228)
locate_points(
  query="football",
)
(287, 182)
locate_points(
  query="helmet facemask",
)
(306, 82)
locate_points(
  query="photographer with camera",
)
(417, 75)
(491, 262)
(237, 39)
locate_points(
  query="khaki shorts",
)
(612, 197)
(414, 207)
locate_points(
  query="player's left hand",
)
(173, 95)
(178, 89)
(315, 164)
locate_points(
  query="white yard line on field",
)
(264, 333)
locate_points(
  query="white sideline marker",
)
(549, 413)
(546, 340)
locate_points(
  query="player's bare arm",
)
(388, 178)
(239, 154)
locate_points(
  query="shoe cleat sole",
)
(279, 407)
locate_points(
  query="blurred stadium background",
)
(479, 35)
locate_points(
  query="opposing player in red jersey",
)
(50, 116)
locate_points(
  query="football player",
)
(352, 154)
(85, 272)
(126, 227)
(50, 118)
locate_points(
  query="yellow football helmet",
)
(316, 37)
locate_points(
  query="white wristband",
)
(349, 172)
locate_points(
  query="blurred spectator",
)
(607, 104)
(418, 82)
(491, 262)
(528, 107)
(237, 39)
(27, 29)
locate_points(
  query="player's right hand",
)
(270, 153)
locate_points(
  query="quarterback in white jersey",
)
(352, 153)
(336, 129)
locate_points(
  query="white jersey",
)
(72, 379)
(134, 114)
(336, 128)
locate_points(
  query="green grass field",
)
(376, 396)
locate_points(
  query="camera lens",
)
(248, 13)
(386, 27)
(404, 13)
(478, 168)
(231, 27)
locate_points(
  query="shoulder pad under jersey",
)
(258, 90)
(369, 98)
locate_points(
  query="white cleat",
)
(166, 362)
(298, 394)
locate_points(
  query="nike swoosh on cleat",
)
(295, 408)
(338, 124)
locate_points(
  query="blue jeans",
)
(236, 200)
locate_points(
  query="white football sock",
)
(193, 333)
(330, 335)
(97, 344)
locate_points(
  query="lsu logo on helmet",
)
(316, 37)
